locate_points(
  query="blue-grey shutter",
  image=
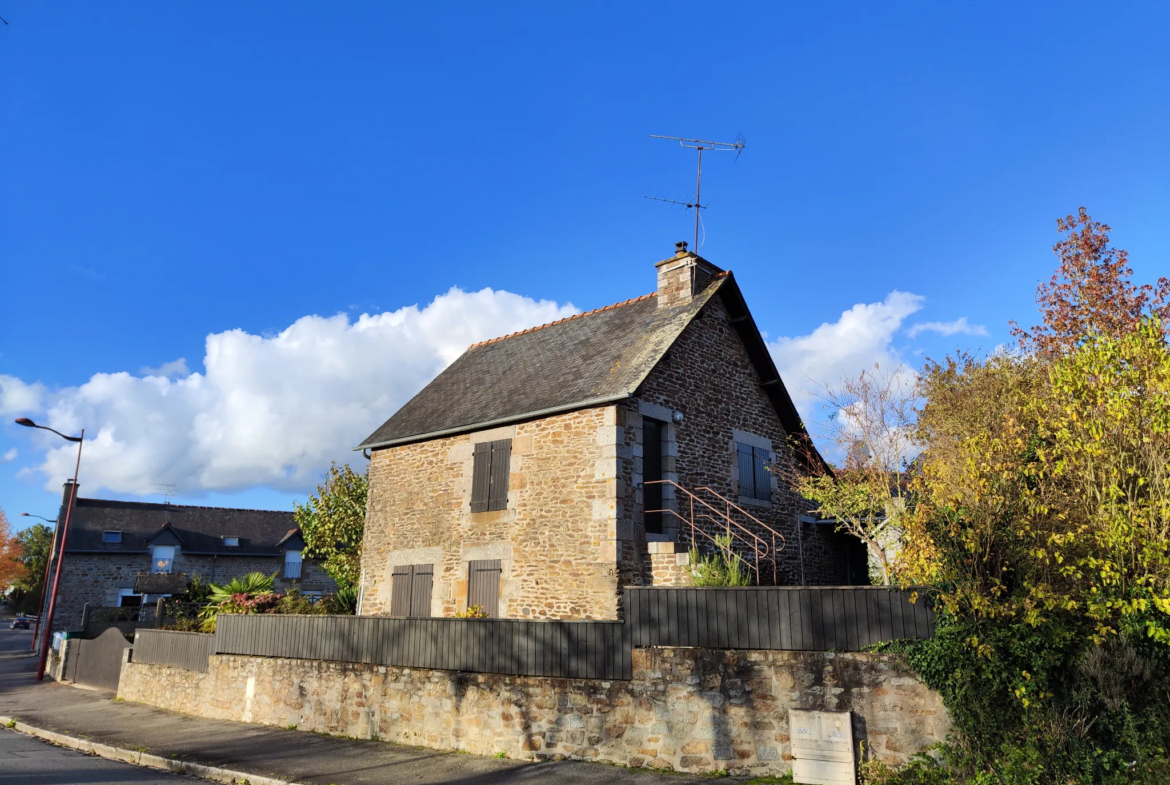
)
(483, 585)
(498, 484)
(420, 591)
(480, 476)
(747, 470)
(400, 589)
(763, 476)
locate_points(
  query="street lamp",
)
(48, 625)
(32, 644)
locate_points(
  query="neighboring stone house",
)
(132, 553)
(543, 471)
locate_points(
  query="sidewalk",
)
(290, 755)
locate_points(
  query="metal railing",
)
(749, 540)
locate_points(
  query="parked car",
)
(21, 623)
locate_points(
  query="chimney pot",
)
(680, 247)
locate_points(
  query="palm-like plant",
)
(249, 585)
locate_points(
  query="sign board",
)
(822, 747)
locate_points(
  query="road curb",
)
(144, 759)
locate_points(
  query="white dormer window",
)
(163, 558)
(292, 564)
(231, 542)
(112, 537)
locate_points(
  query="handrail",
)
(713, 492)
(758, 544)
(755, 564)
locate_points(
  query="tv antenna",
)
(699, 145)
(166, 489)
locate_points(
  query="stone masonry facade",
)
(97, 579)
(708, 380)
(555, 541)
(687, 710)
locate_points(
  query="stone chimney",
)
(66, 495)
(683, 276)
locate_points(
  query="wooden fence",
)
(562, 649)
(816, 619)
(792, 618)
(187, 650)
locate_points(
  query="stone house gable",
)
(567, 407)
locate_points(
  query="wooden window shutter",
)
(480, 476)
(400, 590)
(763, 476)
(498, 481)
(747, 470)
(420, 591)
(483, 585)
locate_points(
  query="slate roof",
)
(591, 359)
(199, 529)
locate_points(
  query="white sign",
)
(822, 747)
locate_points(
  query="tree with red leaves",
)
(1091, 292)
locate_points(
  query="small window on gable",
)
(231, 542)
(111, 537)
(292, 564)
(755, 481)
(163, 558)
(489, 475)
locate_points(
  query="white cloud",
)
(862, 336)
(167, 370)
(16, 397)
(9, 456)
(958, 326)
(268, 411)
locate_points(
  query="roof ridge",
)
(179, 506)
(566, 319)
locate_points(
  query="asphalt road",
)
(28, 761)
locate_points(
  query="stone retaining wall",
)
(689, 710)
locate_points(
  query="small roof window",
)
(231, 542)
(112, 536)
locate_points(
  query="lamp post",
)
(48, 625)
(32, 644)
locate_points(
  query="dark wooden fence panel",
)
(187, 650)
(99, 661)
(570, 649)
(795, 618)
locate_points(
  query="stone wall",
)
(686, 710)
(556, 539)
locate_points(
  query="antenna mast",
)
(166, 489)
(700, 145)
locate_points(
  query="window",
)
(111, 537)
(411, 591)
(128, 599)
(292, 564)
(755, 481)
(163, 558)
(231, 542)
(489, 476)
(483, 585)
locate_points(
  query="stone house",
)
(543, 471)
(127, 554)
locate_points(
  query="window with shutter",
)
(410, 592)
(747, 470)
(489, 475)
(755, 481)
(483, 585)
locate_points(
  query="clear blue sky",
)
(172, 171)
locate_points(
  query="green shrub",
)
(723, 568)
